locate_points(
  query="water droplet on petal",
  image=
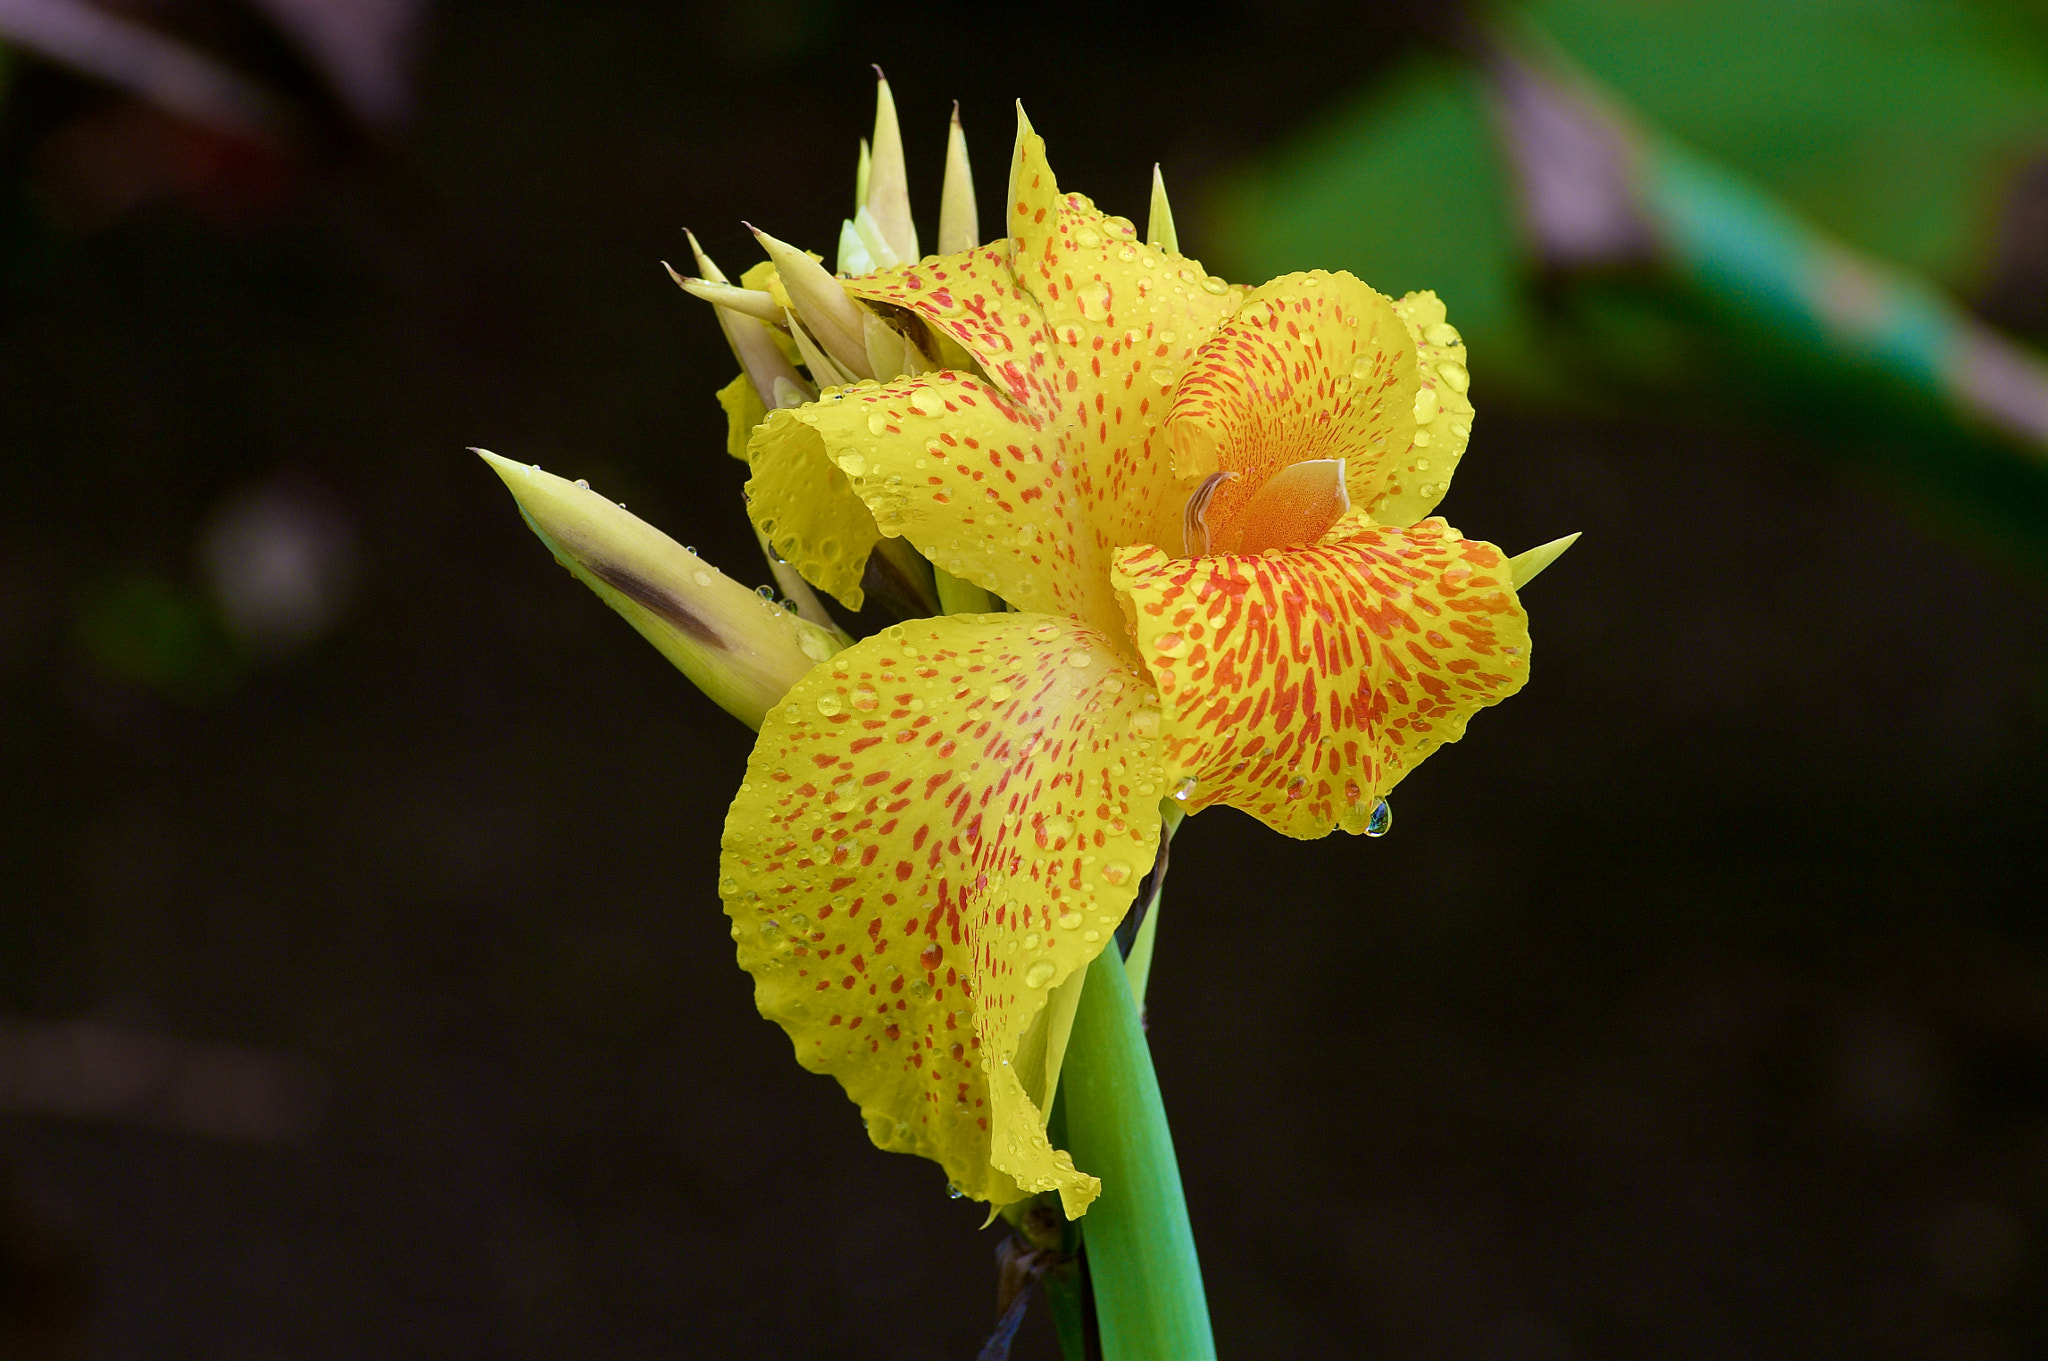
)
(864, 697)
(1039, 974)
(1117, 871)
(1184, 790)
(1454, 375)
(999, 692)
(954, 1191)
(1070, 920)
(828, 704)
(1381, 819)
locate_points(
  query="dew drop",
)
(1039, 974)
(1032, 940)
(701, 578)
(853, 465)
(1170, 645)
(1425, 406)
(1091, 936)
(1184, 790)
(999, 692)
(1443, 333)
(1212, 284)
(1070, 920)
(767, 593)
(864, 698)
(876, 423)
(1117, 871)
(583, 484)
(828, 704)
(954, 1192)
(1077, 659)
(1454, 375)
(1381, 819)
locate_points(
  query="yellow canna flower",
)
(1203, 506)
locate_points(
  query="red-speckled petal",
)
(1300, 686)
(1083, 329)
(1312, 366)
(938, 827)
(951, 464)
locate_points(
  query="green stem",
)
(957, 596)
(1149, 1302)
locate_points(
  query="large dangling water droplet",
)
(954, 1192)
(1185, 790)
(1381, 819)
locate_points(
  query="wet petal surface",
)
(1300, 686)
(937, 829)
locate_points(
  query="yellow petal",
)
(1084, 340)
(937, 830)
(743, 411)
(951, 465)
(800, 500)
(1300, 686)
(1312, 366)
(1443, 418)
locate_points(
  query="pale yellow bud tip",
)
(1523, 567)
(742, 650)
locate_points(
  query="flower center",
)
(1292, 507)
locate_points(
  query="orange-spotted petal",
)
(1300, 686)
(938, 828)
(1312, 366)
(1084, 329)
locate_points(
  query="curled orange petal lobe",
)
(938, 828)
(1300, 686)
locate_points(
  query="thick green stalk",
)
(1149, 1302)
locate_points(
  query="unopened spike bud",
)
(1523, 567)
(752, 302)
(822, 304)
(827, 373)
(853, 252)
(760, 357)
(888, 352)
(1159, 231)
(888, 191)
(705, 266)
(959, 225)
(862, 174)
(741, 650)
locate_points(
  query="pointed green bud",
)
(705, 266)
(1159, 231)
(827, 373)
(753, 302)
(861, 174)
(959, 226)
(822, 304)
(741, 650)
(760, 357)
(1523, 567)
(888, 189)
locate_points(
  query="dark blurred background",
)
(363, 990)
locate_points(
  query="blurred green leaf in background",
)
(1758, 211)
